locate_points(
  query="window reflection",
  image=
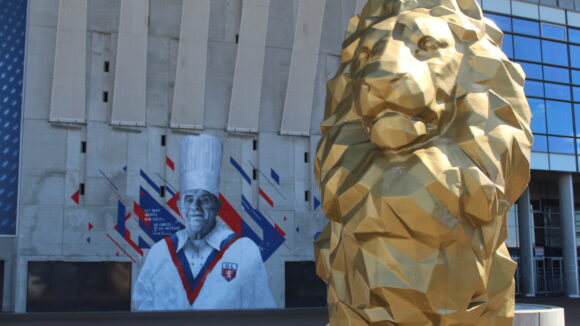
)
(540, 144)
(559, 116)
(576, 77)
(577, 118)
(556, 74)
(508, 45)
(532, 70)
(556, 91)
(575, 56)
(523, 26)
(576, 91)
(538, 108)
(555, 53)
(561, 145)
(527, 48)
(553, 31)
(574, 35)
(534, 88)
(502, 22)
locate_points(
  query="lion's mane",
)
(417, 235)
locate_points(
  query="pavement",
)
(571, 306)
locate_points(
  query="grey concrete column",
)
(526, 265)
(568, 229)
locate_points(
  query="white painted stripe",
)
(189, 93)
(301, 82)
(131, 65)
(247, 87)
(67, 102)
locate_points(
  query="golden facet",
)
(426, 145)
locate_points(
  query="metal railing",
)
(549, 275)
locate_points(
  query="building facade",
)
(111, 86)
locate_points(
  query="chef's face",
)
(199, 209)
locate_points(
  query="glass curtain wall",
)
(550, 56)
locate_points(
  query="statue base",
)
(540, 315)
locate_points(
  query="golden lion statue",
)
(426, 145)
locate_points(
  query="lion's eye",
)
(427, 43)
(364, 54)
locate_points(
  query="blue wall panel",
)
(12, 42)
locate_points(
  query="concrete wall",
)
(52, 226)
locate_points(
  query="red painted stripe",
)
(230, 216)
(266, 198)
(76, 197)
(132, 243)
(177, 263)
(279, 230)
(126, 253)
(170, 163)
(141, 213)
(211, 266)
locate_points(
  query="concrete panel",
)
(562, 162)
(103, 15)
(47, 189)
(165, 17)
(225, 17)
(107, 151)
(247, 87)
(69, 75)
(553, 15)
(281, 24)
(540, 161)
(41, 230)
(359, 6)
(274, 84)
(39, 138)
(189, 93)
(43, 13)
(334, 24)
(277, 153)
(328, 66)
(525, 9)
(99, 81)
(303, 67)
(219, 81)
(38, 73)
(500, 6)
(131, 65)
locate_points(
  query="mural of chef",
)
(206, 265)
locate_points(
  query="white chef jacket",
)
(238, 279)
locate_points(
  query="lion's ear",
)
(470, 8)
(494, 33)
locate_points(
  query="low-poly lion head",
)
(425, 146)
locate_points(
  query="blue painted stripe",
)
(275, 176)
(150, 182)
(108, 180)
(242, 172)
(170, 188)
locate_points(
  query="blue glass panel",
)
(577, 118)
(508, 45)
(527, 48)
(532, 70)
(12, 40)
(575, 56)
(503, 22)
(534, 88)
(576, 92)
(574, 35)
(540, 144)
(526, 27)
(538, 108)
(553, 31)
(559, 116)
(557, 74)
(555, 53)
(556, 91)
(576, 77)
(561, 145)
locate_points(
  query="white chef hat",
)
(200, 161)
